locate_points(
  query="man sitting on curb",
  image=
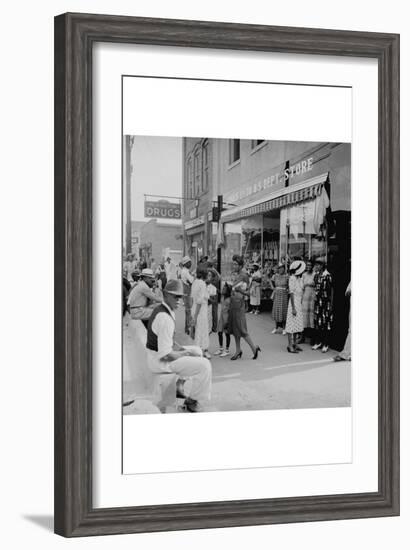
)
(165, 356)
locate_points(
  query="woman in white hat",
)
(255, 289)
(294, 319)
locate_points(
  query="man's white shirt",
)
(164, 327)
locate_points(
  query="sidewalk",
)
(277, 379)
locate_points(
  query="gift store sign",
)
(271, 181)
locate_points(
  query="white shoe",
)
(225, 353)
(274, 331)
(317, 346)
(207, 354)
(284, 332)
(218, 352)
(324, 349)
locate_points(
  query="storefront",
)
(290, 223)
(195, 238)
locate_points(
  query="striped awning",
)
(303, 191)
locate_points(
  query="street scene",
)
(236, 275)
(276, 381)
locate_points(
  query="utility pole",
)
(218, 250)
(129, 140)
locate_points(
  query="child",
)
(212, 296)
(223, 321)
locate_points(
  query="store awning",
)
(195, 230)
(303, 191)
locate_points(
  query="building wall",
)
(197, 202)
(265, 168)
(261, 170)
(161, 236)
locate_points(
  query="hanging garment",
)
(322, 203)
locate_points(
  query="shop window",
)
(232, 245)
(234, 150)
(252, 239)
(301, 236)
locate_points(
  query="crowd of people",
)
(302, 308)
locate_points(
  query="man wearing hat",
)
(141, 299)
(187, 279)
(166, 356)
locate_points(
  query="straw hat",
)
(147, 273)
(298, 267)
(185, 260)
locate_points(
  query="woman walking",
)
(323, 311)
(294, 319)
(280, 298)
(308, 301)
(237, 319)
(223, 322)
(199, 295)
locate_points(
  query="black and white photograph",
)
(236, 264)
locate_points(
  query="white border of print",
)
(326, 116)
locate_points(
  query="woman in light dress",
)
(308, 301)
(294, 319)
(200, 297)
(255, 290)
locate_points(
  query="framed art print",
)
(226, 274)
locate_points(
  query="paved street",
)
(276, 380)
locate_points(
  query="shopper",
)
(294, 319)
(216, 282)
(255, 289)
(308, 301)
(237, 319)
(323, 310)
(280, 281)
(187, 280)
(223, 321)
(199, 294)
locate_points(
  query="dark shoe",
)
(298, 348)
(257, 350)
(180, 389)
(236, 356)
(191, 405)
(338, 358)
(292, 350)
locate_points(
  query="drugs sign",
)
(162, 209)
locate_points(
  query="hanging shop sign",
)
(162, 209)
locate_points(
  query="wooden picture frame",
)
(75, 35)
